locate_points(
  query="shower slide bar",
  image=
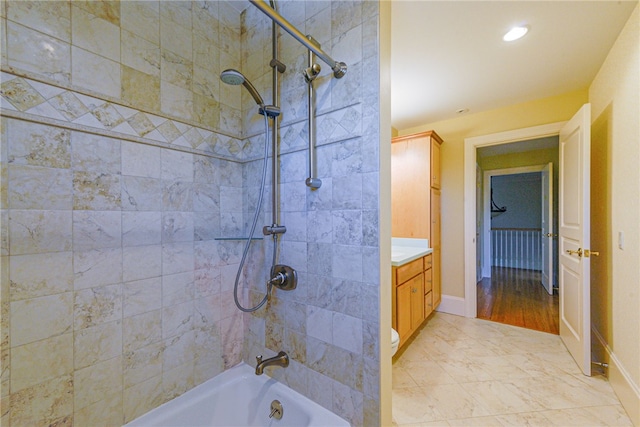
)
(310, 75)
(339, 68)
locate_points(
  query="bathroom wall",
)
(615, 301)
(121, 162)
(123, 158)
(329, 324)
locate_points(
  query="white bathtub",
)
(238, 397)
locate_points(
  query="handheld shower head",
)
(235, 77)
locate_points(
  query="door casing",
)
(486, 226)
(470, 145)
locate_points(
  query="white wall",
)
(520, 194)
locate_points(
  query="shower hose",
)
(252, 231)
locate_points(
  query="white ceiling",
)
(449, 55)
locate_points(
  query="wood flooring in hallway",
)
(516, 297)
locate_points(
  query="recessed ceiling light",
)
(515, 33)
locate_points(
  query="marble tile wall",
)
(329, 324)
(115, 160)
(112, 297)
(123, 158)
(162, 57)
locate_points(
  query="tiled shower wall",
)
(329, 325)
(119, 169)
(124, 157)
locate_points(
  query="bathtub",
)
(238, 397)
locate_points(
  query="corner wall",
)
(615, 106)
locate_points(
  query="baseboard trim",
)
(451, 305)
(627, 391)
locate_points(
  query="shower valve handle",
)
(284, 277)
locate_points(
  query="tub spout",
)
(280, 360)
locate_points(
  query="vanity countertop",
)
(404, 250)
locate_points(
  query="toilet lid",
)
(394, 336)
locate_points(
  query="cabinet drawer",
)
(409, 270)
(428, 304)
(428, 281)
(428, 262)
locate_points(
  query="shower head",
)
(235, 77)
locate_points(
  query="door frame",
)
(470, 214)
(486, 226)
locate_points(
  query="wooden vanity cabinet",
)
(412, 296)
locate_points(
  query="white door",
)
(574, 227)
(547, 228)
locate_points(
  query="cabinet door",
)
(435, 164)
(403, 311)
(410, 182)
(436, 244)
(417, 301)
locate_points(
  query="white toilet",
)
(395, 340)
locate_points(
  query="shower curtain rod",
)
(339, 68)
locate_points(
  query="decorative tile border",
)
(26, 98)
(50, 102)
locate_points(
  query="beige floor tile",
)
(476, 422)
(472, 372)
(451, 401)
(500, 367)
(409, 406)
(428, 373)
(465, 370)
(562, 392)
(502, 397)
(402, 379)
(611, 415)
(524, 419)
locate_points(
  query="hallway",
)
(471, 372)
(516, 297)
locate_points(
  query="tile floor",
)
(472, 372)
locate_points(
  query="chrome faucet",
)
(280, 360)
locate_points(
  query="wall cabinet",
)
(435, 165)
(410, 178)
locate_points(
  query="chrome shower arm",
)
(339, 68)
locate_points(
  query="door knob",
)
(551, 235)
(588, 253)
(578, 252)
